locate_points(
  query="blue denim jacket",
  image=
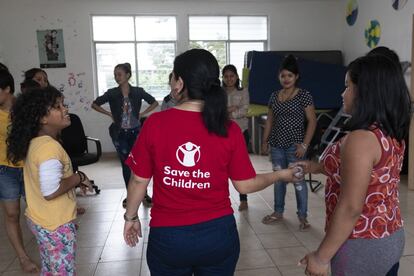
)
(115, 99)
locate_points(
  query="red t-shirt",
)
(381, 215)
(190, 167)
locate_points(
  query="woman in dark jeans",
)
(125, 105)
(191, 151)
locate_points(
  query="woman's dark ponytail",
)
(215, 115)
(199, 71)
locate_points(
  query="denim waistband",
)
(228, 219)
(129, 129)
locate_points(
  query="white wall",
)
(396, 28)
(294, 25)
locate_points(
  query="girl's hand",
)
(132, 232)
(314, 266)
(86, 186)
(300, 151)
(305, 164)
(292, 174)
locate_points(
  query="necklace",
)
(191, 105)
(286, 96)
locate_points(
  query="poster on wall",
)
(398, 4)
(351, 12)
(372, 33)
(51, 49)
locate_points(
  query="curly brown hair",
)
(26, 114)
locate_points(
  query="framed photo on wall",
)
(51, 48)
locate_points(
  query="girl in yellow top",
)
(11, 177)
(37, 118)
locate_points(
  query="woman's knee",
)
(12, 212)
(13, 217)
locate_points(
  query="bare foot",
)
(28, 265)
(80, 210)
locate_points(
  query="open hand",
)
(132, 232)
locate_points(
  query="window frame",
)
(228, 41)
(135, 42)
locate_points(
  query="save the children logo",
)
(188, 154)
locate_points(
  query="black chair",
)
(75, 142)
(315, 148)
(312, 154)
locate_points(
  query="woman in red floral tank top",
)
(364, 229)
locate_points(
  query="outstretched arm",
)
(264, 180)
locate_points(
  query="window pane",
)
(113, 28)
(156, 28)
(248, 28)
(238, 50)
(107, 57)
(155, 63)
(218, 49)
(208, 28)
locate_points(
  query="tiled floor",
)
(265, 250)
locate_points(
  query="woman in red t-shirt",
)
(191, 151)
(364, 232)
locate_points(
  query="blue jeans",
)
(208, 248)
(11, 183)
(281, 158)
(123, 145)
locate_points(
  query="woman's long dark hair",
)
(26, 114)
(29, 74)
(199, 71)
(381, 97)
(6, 80)
(233, 69)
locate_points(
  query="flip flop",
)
(272, 219)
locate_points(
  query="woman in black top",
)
(285, 133)
(125, 105)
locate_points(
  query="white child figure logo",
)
(186, 154)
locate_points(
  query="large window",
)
(228, 37)
(148, 43)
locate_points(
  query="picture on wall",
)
(398, 4)
(372, 33)
(351, 12)
(51, 48)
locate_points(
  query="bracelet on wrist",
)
(132, 219)
(304, 146)
(82, 177)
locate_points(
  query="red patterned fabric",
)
(381, 214)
